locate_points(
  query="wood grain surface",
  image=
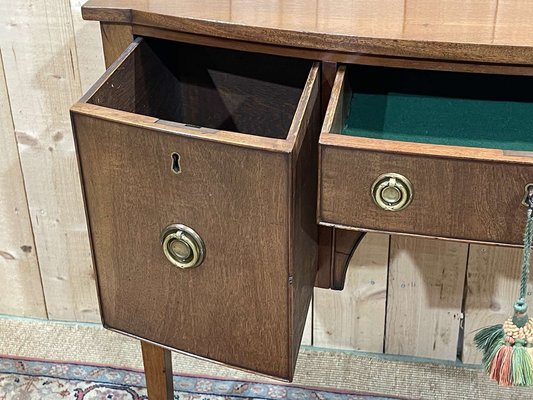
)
(464, 200)
(492, 286)
(325, 257)
(158, 371)
(307, 336)
(241, 307)
(328, 72)
(43, 78)
(338, 247)
(424, 298)
(41, 42)
(303, 241)
(346, 245)
(354, 318)
(480, 31)
(459, 192)
(333, 56)
(115, 39)
(22, 292)
(140, 292)
(87, 36)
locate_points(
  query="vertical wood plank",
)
(21, 292)
(355, 317)
(307, 337)
(42, 76)
(372, 18)
(492, 286)
(88, 47)
(512, 22)
(454, 19)
(158, 371)
(425, 295)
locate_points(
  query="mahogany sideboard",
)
(231, 144)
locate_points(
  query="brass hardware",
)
(392, 192)
(182, 246)
(528, 195)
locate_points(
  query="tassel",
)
(496, 364)
(489, 357)
(487, 338)
(505, 369)
(508, 348)
(522, 365)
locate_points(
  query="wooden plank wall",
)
(403, 295)
(355, 317)
(21, 292)
(418, 297)
(492, 288)
(40, 43)
(426, 280)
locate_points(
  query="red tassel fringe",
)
(500, 368)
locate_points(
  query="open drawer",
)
(439, 154)
(198, 172)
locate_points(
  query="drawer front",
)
(452, 198)
(234, 307)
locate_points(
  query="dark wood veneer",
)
(248, 193)
(479, 35)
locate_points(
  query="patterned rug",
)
(24, 379)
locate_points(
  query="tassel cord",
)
(507, 348)
(524, 278)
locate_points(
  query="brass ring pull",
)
(392, 192)
(182, 246)
(528, 195)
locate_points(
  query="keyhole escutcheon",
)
(176, 167)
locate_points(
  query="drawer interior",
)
(208, 87)
(460, 109)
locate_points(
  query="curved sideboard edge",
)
(122, 12)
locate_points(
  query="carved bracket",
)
(336, 248)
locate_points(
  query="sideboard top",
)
(489, 31)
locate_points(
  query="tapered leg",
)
(158, 372)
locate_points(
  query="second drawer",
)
(439, 154)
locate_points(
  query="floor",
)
(90, 343)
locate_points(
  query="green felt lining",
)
(474, 110)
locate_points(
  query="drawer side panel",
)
(304, 227)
